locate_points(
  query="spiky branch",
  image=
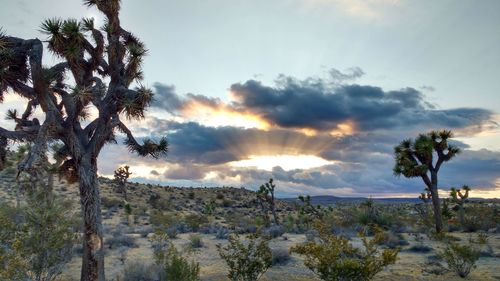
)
(100, 69)
(416, 159)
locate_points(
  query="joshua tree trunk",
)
(273, 210)
(435, 202)
(93, 252)
(461, 215)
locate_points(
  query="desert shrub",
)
(110, 203)
(460, 258)
(144, 231)
(482, 238)
(176, 267)
(191, 195)
(226, 203)
(222, 233)
(193, 221)
(280, 256)
(248, 260)
(36, 239)
(420, 248)
(219, 196)
(311, 235)
(161, 219)
(136, 271)
(209, 207)
(118, 239)
(481, 217)
(172, 232)
(196, 241)
(392, 240)
(274, 231)
(173, 266)
(128, 209)
(334, 258)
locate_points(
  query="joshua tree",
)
(416, 158)
(265, 195)
(460, 199)
(121, 176)
(307, 208)
(97, 69)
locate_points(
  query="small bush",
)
(178, 268)
(246, 261)
(110, 203)
(139, 271)
(392, 240)
(420, 248)
(222, 233)
(119, 239)
(196, 241)
(274, 231)
(172, 232)
(161, 219)
(280, 256)
(194, 221)
(460, 258)
(311, 235)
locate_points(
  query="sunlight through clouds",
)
(287, 162)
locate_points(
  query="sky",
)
(313, 93)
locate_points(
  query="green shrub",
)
(334, 258)
(194, 221)
(161, 219)
(196, 241)
(178, 268)
(460, 258)
(36, 239)
(247, 261)
(139, 271)
(173, 266)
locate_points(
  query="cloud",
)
(315, 104)
(353, 127)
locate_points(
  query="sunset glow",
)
(287, 162)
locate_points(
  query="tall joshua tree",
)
(98, 69)
(265, 194)
(423, 158)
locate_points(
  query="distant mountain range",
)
(328, 200)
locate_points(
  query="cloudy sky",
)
(314, 93)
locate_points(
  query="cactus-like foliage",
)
(99, 69)
(266, 199)
(459, 197)
(121, 177)
(417, 159)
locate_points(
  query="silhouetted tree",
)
(97, 69)
(416, 158)
(265, 195)
(121, 177)
(459, 198)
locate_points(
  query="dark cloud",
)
(166, 98)
(361, 160)
(186, 172)
(293, 103)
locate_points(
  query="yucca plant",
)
(417, 159)
(99, 69)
